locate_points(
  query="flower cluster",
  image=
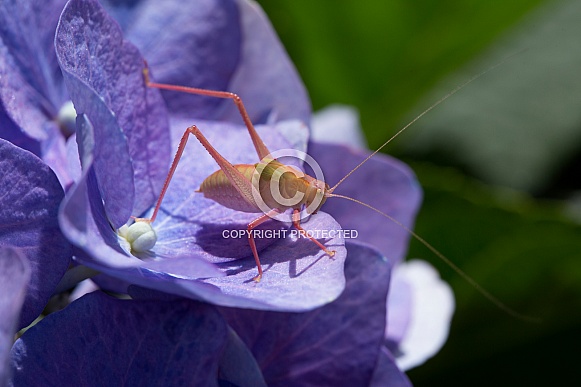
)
(185, 312)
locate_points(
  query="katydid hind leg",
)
(259, 145)
(242, 185)
(251, 226)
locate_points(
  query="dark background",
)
(499, 161)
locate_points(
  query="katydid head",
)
(315, 193)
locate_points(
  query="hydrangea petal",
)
(30, 196)
(240, 53)
(102, 148)
(399, 308)
(98, 339)
(14, 278)
(297, 281)
(31, 89)
(321, 282)
(387, 373)
(11, 132)
(96, 61)
(194, 43)
(266, 79)
(318, 347)
(338, 124)
(382, 182)
(298, 275)
(54, 154)
(238, 366)
(433, 306)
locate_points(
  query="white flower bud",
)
(140, 236)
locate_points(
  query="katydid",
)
(233, 186)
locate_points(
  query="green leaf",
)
(518, 124)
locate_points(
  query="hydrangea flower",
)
(190, 228)
(125, 135)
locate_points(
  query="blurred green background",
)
(500, 161)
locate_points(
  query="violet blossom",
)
(126, 134)
(190, 228)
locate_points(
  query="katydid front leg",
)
(297, 224)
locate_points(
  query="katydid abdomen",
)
(292, 186)
(218, 188)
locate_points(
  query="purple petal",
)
(219, 45)
(99, 64)
(30, 196)
(194, 43)
(399, 308)
(31, 87)
(382, 182)
(337, 344)
(297, 276)
(54, 154)
(9, 131)
(266, 78)
(99, 339)
(238, 366)
(73, 159)
(387, 374)
(102, 148)
(338, 124)
(303, 279)
(430, 306)
(14, 278)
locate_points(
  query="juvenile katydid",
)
(233, 186)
